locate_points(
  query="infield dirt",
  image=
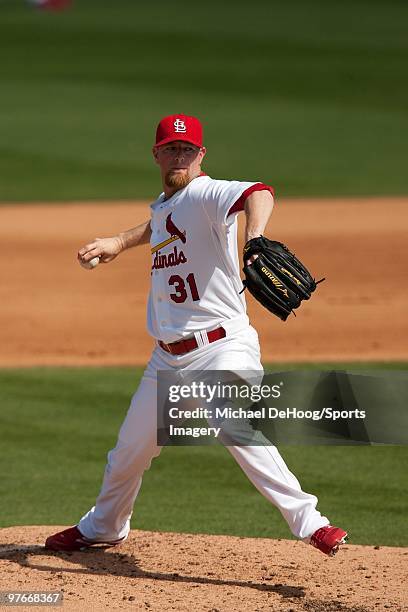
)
(54, 312)
(182, 572)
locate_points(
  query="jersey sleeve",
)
(224, 199)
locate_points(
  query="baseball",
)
(90, 265)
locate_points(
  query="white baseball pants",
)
(109, 519)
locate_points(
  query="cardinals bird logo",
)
(175, 234)
(173, 230)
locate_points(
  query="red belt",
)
(190, 344)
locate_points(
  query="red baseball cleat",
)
(328, 539)
(72, 539)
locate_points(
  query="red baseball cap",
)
(179, 127)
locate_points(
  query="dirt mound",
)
(53, 312)
(184, 572)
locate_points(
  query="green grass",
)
(58, 424)
(337, 365)
(311, 97)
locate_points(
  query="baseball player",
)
(197, 314)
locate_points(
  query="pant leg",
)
(268, 472)
(109, 519)
(263, 464)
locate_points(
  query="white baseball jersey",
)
(195, 278)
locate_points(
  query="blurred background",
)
(310, 97)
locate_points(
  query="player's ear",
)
(203, 151)
(154, 151)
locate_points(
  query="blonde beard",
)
(177, 180)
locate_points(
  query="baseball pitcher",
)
(197, 314)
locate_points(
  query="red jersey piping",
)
(240, 203)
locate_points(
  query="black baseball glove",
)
(277, 279)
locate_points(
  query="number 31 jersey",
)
(195, 276)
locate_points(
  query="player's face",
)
(179, 162)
